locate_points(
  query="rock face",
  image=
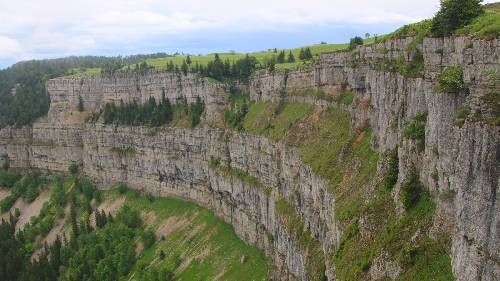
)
(94, 91)
(462, 160)
(454, 159)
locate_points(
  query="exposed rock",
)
(462, 160)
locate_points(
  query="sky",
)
(36, 29)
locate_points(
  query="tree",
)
(305, 54)
(188, 60)
(80, 104)
(367, 35)
(454, 14)
(74, 223)
(281, 57)
(162, 255)
(354, 42)
(291, 58)
(184, 67)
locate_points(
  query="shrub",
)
(148, 238)
(451, 80)
(122, 188)
(455, 14)
(129, 217)
(391, 177)
(354, 42)
(411, 191)
(73, 169)
(8, 179)
(414, 131)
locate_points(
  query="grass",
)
(272, 119)
(82, 72)
(124, 151)
(486, 26)
(344, 157)
(315, 262)
(206, 248)
(262, 57)
(242, 175)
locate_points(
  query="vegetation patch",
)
(343, 157)
(204, 247)
(415, 129)
(315, 260)
(314, 93)
(391, 177)
(451, 80)
(214, 163)
(151, 113)
(461, 116)
(124, 151)
(346, 98)
(235, 113)
(413, 68)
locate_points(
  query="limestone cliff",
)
(94, 91)
(199, 164)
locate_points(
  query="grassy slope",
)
(210, 245)
(345, 159)
(160, 63)
(486, 26)
(205, 248)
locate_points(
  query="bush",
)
(411, 191)
(414, 131)
(73, 169)
(391, 177)
(8, 179)
(455, 14)
(354, 42)
(451, 80)
(122, 188)
(129, 217)
(148, 238)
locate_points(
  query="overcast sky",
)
(32, 29)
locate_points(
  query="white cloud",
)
(34, 28)
(9, 48)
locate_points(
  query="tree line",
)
(152, 113)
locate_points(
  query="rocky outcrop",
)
(176, 162)
(93, 92)
(454, 159)
(457, 159)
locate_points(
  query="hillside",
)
(163, 236)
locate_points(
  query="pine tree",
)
(188, 60)
(55, 254)
(184, 67)
(74, 223)
(302, 55)
(281, 57)
(308, 54)
(291, 58)
(80, 104)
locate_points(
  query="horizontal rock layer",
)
(95, 91)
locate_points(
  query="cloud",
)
(10, 48)
(37, 29)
